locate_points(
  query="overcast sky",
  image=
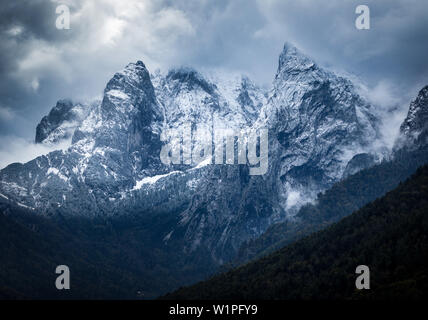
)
(40, 64)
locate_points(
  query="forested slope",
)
(390, 235)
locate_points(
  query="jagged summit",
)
(61, 122)
(314, 115)
(320, 129)
(190, 79)
(188, 96)
(317, 123)
(294, 61)
(134, 73)
(417, 117)
(134, 78)
(59, 113)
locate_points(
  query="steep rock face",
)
(219, 100)
(226, 207)
(216, 214)
(317, 123)
(414, 129)
(348, 195)
(61, 122)
(319, 130)
(113, 143)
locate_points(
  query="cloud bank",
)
(21, 150)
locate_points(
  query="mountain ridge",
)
(186, 219)
(317, 123)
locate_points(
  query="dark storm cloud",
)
(40, 64)
(394, 48)
(22, 23)
(34, 16)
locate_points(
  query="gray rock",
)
(318, 124)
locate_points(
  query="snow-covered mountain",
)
(116, 139)
(61, 122)
(319, 130)
(414, 129)
(318, 125)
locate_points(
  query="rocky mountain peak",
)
(314, 114)
(132, 79)
(417, 117)
(135, 74)
(190, 79)
(129, 97)
(293, 61)
(317, 123)
(61, 121)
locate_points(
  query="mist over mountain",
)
(358, 188)
(414, 129)
(320, 131)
